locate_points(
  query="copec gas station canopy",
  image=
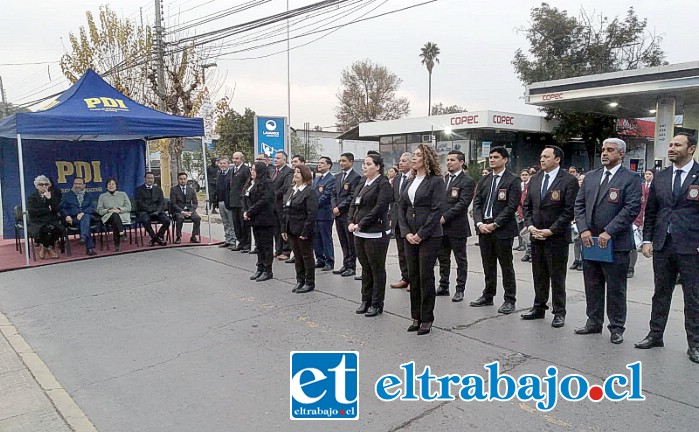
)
(659, 92)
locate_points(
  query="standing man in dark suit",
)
(239, 176)
(211, 175)
(405, 164)
(670, 235)
(494, 206)
(324, 186)
(346, 182)
(281, 182)
(150, 206)
(223, 196)
(548, 209)
(606, 206)
(458, 196)
(183, 204)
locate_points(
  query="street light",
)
(204, 67)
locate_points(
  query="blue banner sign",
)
(270, 135)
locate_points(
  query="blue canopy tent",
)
(90, 111)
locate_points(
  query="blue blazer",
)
(325, 188)
(682, 214)
(69, 204)
(614, 208)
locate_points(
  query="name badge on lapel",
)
(693, 193)
(555, 195)
(288, 202)
(358, 200)
(345, 186)
(613, 195)
(321, 189)
(502, 194)
(455, 192)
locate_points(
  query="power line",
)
(28, 64)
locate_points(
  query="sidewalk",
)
(31, 400)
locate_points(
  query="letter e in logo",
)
(324, 385)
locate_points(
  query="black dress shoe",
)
(235, 248)
(264, 276)
(373, 311)
(573, 266)
(224, 245)
(91, 252)
(362, 307)
(320, 265)
(587, 330)
(424, 328)
(178, 240)
(693, 354)
(298, 286)
(415, 326)
(649, 342)
(458, 296)
(327, 267)
(348, 272)
(340, 271)
(256, 275)
(558, 321)
(290, 260)
(307, 287)
(533, 314)
(526, 258)
(442, 292)
(152, 242)
(160, 241)
(245, 250)
(194, 239)
(481, 301)
(507, 308)
(616, 338)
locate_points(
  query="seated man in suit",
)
(77, 209)
(150, 206)
(183, 203)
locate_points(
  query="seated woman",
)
(44, 221)
(115, 208)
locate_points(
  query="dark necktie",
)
(403, 181)
(677, 185)
(603, 185)
(276, 173)
(545, 187)
(491, 197)
(344, 177)
(451, 177)
(184, 191)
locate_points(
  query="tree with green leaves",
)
(236, 133)
(309, 150)
(439, 109)
(369, 93)
(429, 55)
(564, 46)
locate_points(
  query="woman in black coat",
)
(368, 217)
(419, 218)
(44, 223)
(298, 227)
(258, 212)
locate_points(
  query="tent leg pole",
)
(206, 182)
(23, 193)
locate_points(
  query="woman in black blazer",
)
(258, 212)
(419, 218)
(298, 227)
(368, 217)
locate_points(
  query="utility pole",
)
(5, 108)
(160, 54)
(288, 82)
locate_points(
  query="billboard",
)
(270, 135)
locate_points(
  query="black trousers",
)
(212, 196)
(421, 259)
(372, 257)
(49, 234)
(494, 250)
(242, 230)
(280, 246)
(117, 227)
(667, 263)
(349, 260)
(159, 217)
(549, 267)
(265, 245)
(596, 275)
(305, 262)
(458, 246)
(179, 221)
(402, 263)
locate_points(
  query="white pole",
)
(23, 194)
(206, 182)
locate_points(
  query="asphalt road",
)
(181, 340)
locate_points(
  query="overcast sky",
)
(477, 39)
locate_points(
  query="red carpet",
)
(11, 259)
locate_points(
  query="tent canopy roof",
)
(93, 110)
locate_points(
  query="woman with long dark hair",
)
(419, 218)
(298, 227)
(258, 212)
(368, 217)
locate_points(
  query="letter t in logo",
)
(340, 388)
